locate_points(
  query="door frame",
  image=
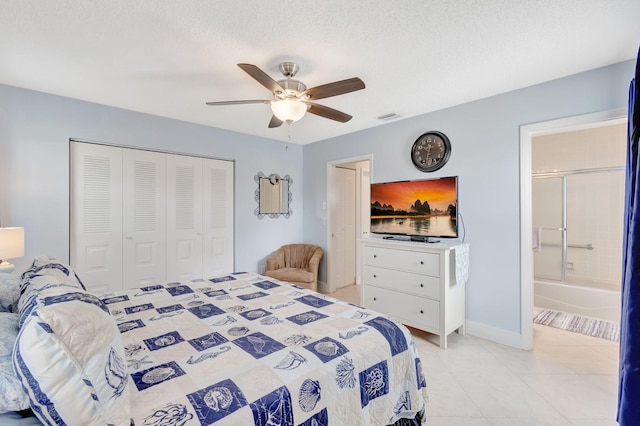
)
(331, 166)
(527, 133)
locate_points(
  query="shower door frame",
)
(563, 175)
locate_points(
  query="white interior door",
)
(184, 217)
(96, 215)
(363, 196)
(217, 226)
(350, 218)
(343, 225)
(144, 220)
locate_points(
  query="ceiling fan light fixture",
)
(288, 110)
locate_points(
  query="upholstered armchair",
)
(296, 263)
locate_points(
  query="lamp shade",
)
(11, 243)
(288, 110)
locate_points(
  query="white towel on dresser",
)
(462, 263)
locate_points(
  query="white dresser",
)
(414, 283)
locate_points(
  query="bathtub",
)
(577, 299)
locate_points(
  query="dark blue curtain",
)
(629, 387)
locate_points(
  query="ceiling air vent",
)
(387, 117)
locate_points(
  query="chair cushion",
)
(298, 255)
(292, 275)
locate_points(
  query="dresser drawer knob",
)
(421, 285)
(421, 311)
(375, 255)
(374, 299)
(375, 276)
(422, 262)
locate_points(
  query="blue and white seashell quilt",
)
(266, 353)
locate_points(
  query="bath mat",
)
(577, 324)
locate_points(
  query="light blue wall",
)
(485, 155)
(35, 129)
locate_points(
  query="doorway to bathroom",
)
(528, 133)
(577, 210)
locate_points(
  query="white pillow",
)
(12, 396)
(69, 354)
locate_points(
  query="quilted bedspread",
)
(242, 349)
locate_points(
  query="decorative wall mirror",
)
(273, 195)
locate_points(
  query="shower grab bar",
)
(582, 246)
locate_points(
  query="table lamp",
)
(11, 247)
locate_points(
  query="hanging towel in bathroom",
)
(536, 238)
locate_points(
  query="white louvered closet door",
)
(144, 219)
(184, 217)
(217, 224)
(96, 215)
(141, 217)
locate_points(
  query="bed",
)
(236, 349)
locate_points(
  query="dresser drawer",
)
(418, 284)
(415, 311)
(412, 261)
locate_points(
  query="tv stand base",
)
(423, 239)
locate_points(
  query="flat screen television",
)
(421, 209)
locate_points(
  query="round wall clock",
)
(431, 151)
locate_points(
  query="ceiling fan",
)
(291, 98)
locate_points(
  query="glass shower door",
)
(549, 215)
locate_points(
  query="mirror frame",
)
(257, 178)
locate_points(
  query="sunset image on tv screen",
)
(421, 207)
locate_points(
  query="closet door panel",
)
(96, 215)
(217, 217)
(184, 217)
(144, 218)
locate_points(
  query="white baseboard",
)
(494, 334)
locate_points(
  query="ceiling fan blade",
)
(239, 102)
(261, 77)
(334, 89)
(326, 112)
(275, 122)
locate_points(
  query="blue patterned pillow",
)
(47, 265)
(69, 354)
(9, 292)
(45, 276)
(12, 396)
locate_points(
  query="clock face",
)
(431, 151)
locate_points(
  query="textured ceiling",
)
(168, 57)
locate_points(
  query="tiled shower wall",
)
(595, 204)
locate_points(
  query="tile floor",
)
(567, 379)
